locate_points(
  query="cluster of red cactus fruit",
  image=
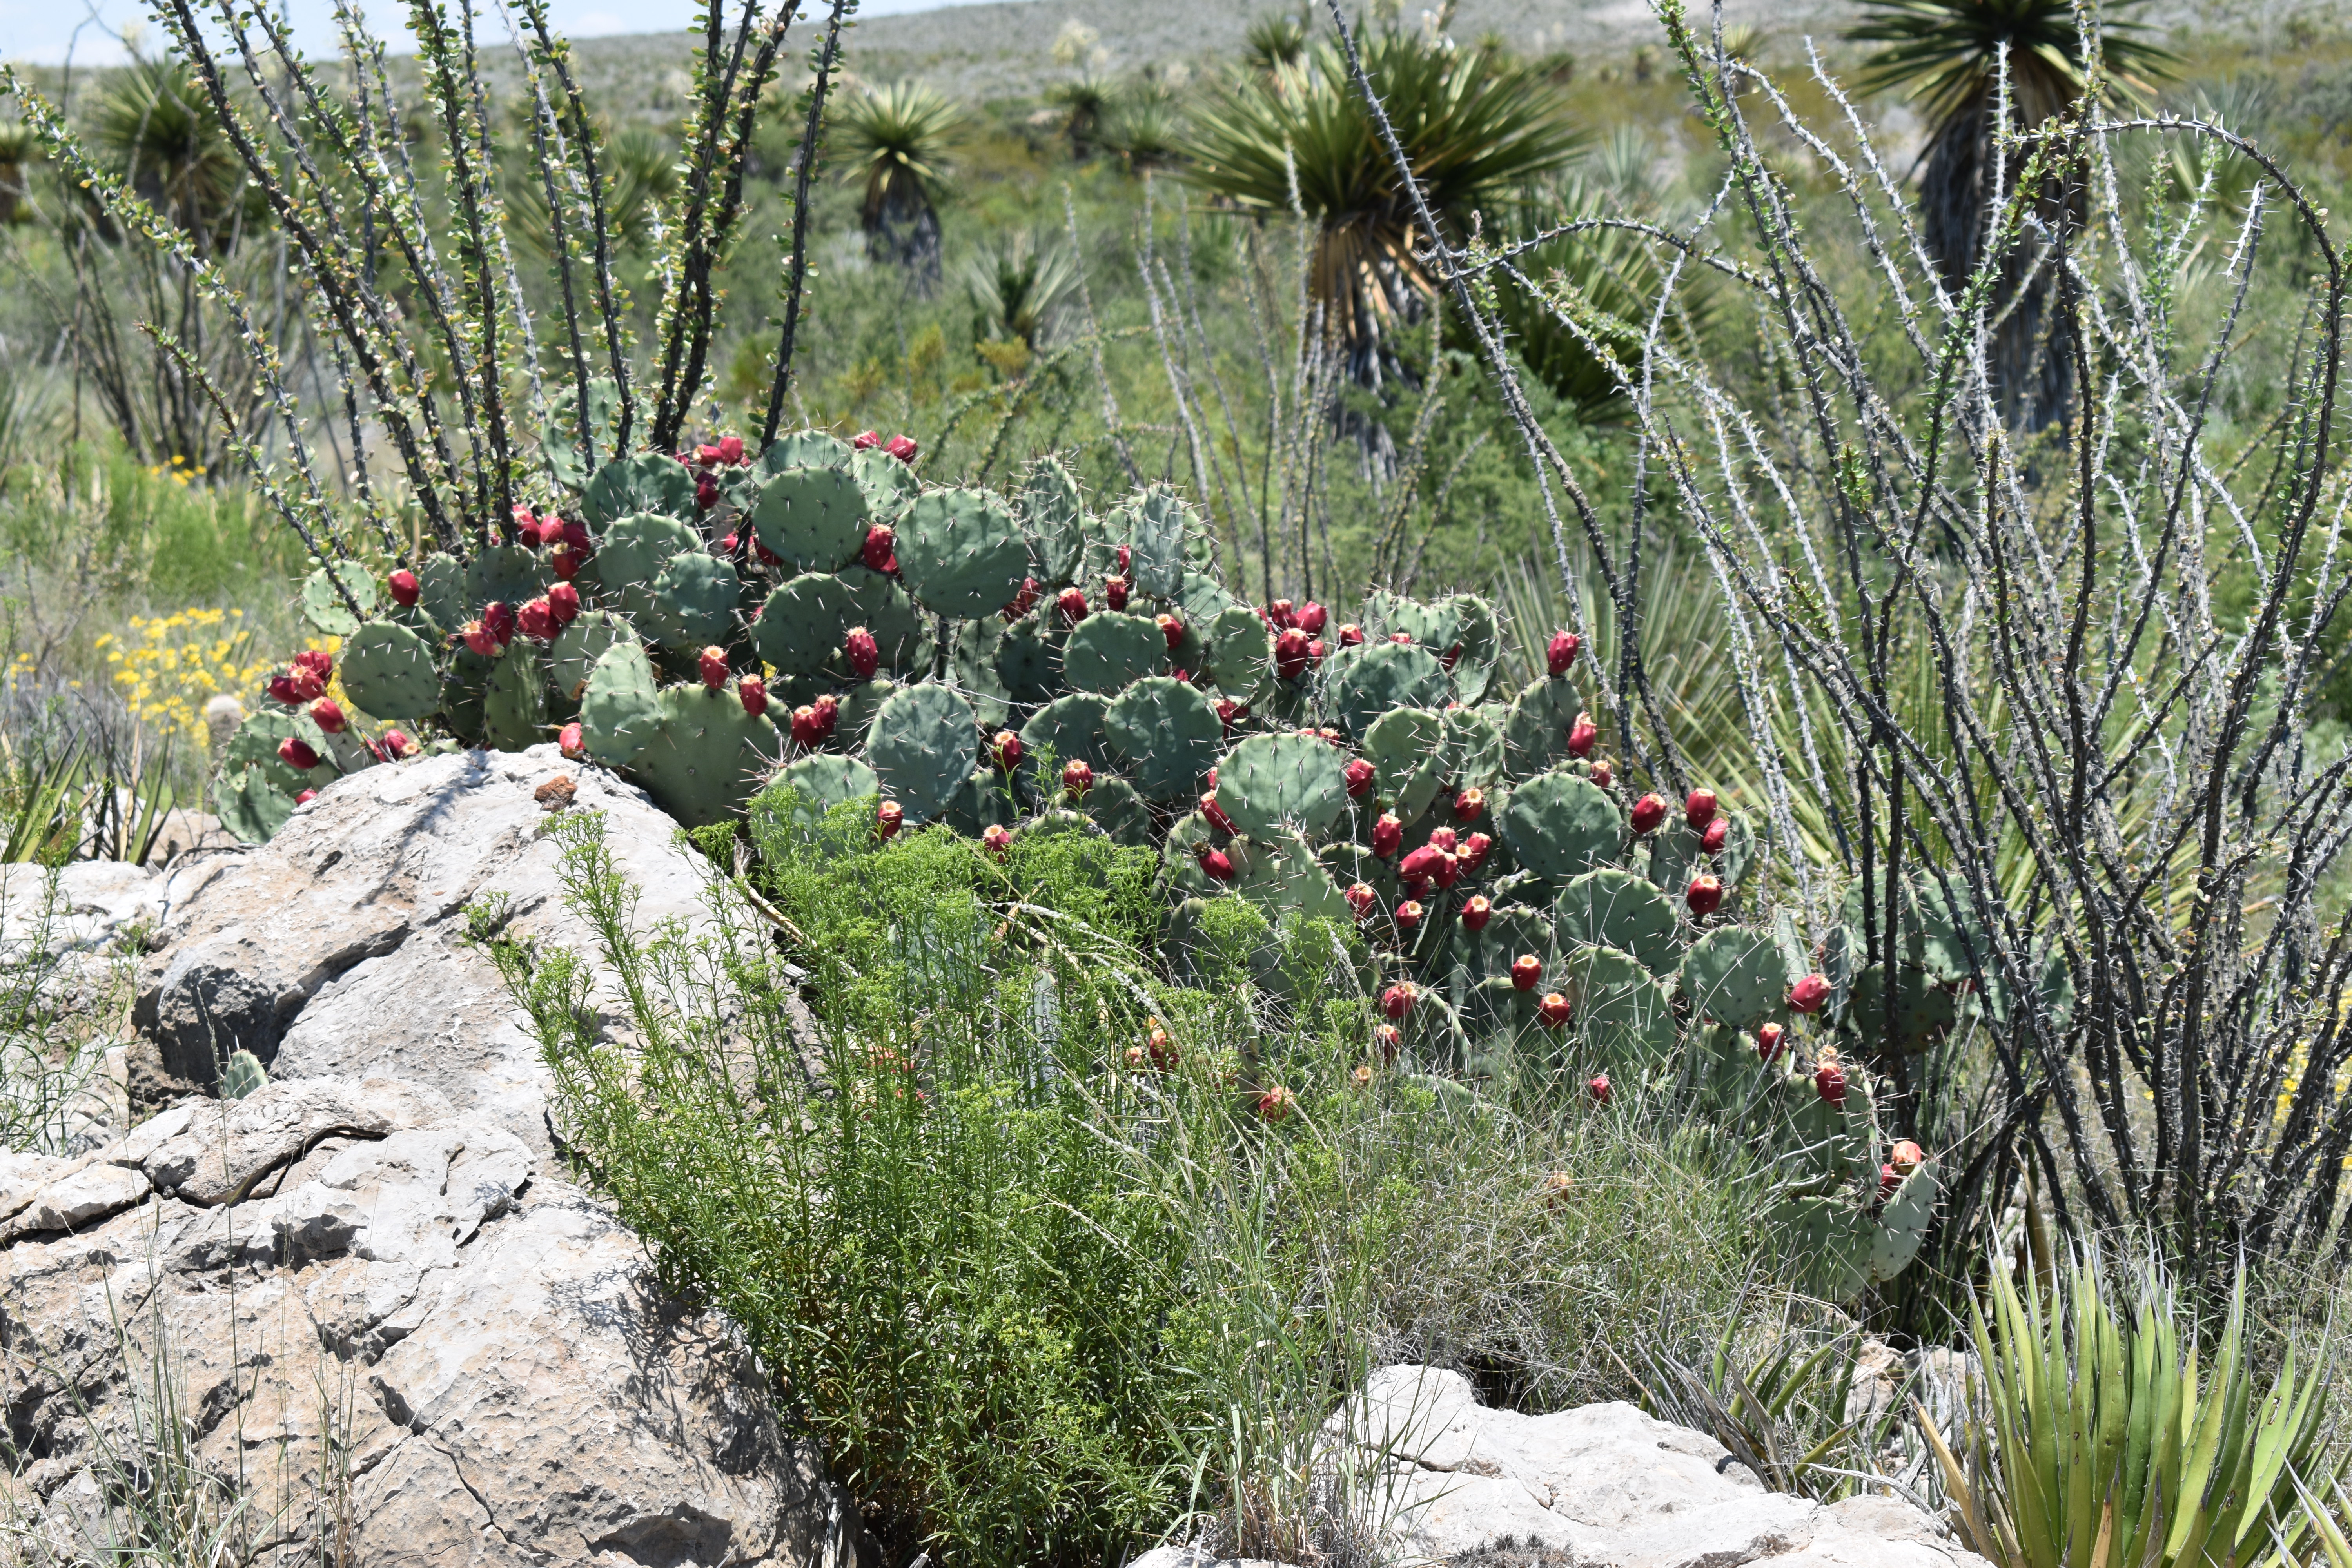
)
(302, 684)
(902, 447)
(811, 722)
(1297, 636)
(540, 619)
(1157, 1051)
(705, 461)
(566, 543)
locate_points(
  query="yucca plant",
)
(1959, 59)
(155, 128)
(2103, 1439)
(1086, 104)
(897, 139)
(1020, 291)
(1472, 131)
(1275, 44)
(1144, 128)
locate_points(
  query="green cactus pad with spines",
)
(559, 434)
(1924, 1011)
(1535, 734)
(1114, 806)
(1736, 975)
(1166, 735)
(921, 746)
(981, 802)
(1202, 599)
(1609, 908)
(387, 672)
(859, 703)
(1828, 1241)
(621, 710)
(901, 631)
(1029, 661)
(962, 554)
(694, 602)
(579, 646)
(649, 483)
(1110, 651)
(1402, 742)
(889, 485)
(441, 580)
(1474, 736)
(1559, 825)
(1620, 1010)
(465, 686)
(1366, 682)
(815, 518)
(1271, 783)
(251, 807)
(633, 552)
(823, 782)
(1950, 933)
(706, 756)
(242, 1076)
(1677, 853)
(256, 744)
(1241, 651)
(1157, 522)
(1053, 514)
(805, 449)
(972, 669)
(1071, 728)
(1511, 931)
(514, 708)
(1480, 641)
(1280, 873)
(504, 574)
(1436, 628)
(324, 608)
(1903, 1220)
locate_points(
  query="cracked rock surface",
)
(383, 1314)
(1602, 1486)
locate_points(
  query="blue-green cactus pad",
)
(1272, 783)
(815, 518)
(1609, 908)
(1559, 825)
(920, 746)
(1166, 735)
(1110, 651)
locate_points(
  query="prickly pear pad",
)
(1559, 825)
(388, 673)
(1269, 783)
(921, 748)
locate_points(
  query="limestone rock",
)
(1604, 1486)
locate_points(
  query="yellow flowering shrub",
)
(168, 667)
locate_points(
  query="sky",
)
(42, 31)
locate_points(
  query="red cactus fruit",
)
(1562, 652)
(499, 619)
(1216, 813)
(1829, 1082)
(1024, 601)
(405, 588)
(296, 753)
(1906, 1157)
(1601, 776)
(1470, 804)
(706, 492)
(1277, 1104)
(1449, 871)
(1281, 615)
(1388, 835)
(1170, 628)
(998, 840)
(1699, 809)
(1423, 862)
(1473, 851)
(1351, 634)
(1228, 710)
(1526, 971)
(1361, 899)
(828, 713)
(537, 620)
(285, 687)
(711, 665)
(1398, 999)
(481, 639)
(1333, 736)
(1315, 650)
(1126, 555)
(1647, 813)
(1072, 603)
(1553, 1010)
(1390, 1040)
(1160, 1047)
(1768, 1041)
(564, 562)
(1888, 1180)
(1718, 831)
(731, 449)
(1443, 838)
(805, 726)
(880, 550)
(1312, 617)
(319, 662)
(397, 744)
(1408, 915)
(1211, 781)
(1704, 895)
(1809, 994)
(901, 447)
(705, 454)
(328, 714)
(1581, 734)
(753, 692)
(865, 653)
(1115, 593)
(1360, 779)
(1216, 865)
(1477, 912)
(1078, 777)
(547, 532)
(306, 797)
(866, 440)
(572, 741)
(563, 603)
(1005, 749)
(1449, 659)
(1402, 639)
(1414, 887)
(1598, 1087)
(1290, 654)
(888, 817)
